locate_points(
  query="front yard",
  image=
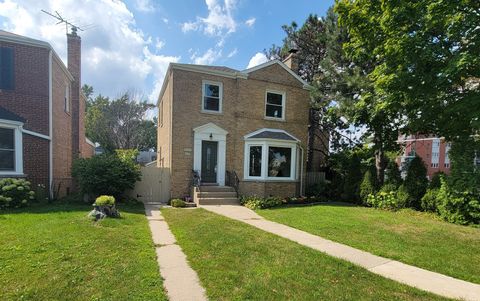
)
(55, 252)
(235, 261)
(408, 236)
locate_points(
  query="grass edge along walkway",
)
(416, 277)
(235, 261)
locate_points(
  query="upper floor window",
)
(212, 95)
(275, 105)
(6, 68)
(67, 98)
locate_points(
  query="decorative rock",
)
(100, 212)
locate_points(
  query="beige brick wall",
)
(243, 113)
(164, 138)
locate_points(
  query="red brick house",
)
(41, 112)
(432, 150)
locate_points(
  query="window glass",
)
(274, 105)
(6, 68)
(279, 162)
(255, 167)
(7, 149)
(211, 97)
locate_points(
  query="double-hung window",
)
(11, 152)
(212, 94)
(275, 105)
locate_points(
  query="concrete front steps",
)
(215, 195)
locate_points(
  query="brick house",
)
(244, 129)
(41, 112)
(432, 150)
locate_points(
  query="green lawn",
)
(409, 236)
(235, 261)
(54, 252)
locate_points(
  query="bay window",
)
(271, 156)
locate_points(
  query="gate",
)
(154, 185)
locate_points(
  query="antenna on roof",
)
(63, 20)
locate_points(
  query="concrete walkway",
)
(179, 279)
(425, 280)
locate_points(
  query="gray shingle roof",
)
(7, 115)
(273, 135)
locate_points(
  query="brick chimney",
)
(292, 60)
(74, 49)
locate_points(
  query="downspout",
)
(301, 171)
(50, 125)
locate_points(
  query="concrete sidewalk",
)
(179, 279)
(425, 280)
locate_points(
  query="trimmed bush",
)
(416, 182)
(15, 193)
(435, 182)
(430, 200)
(254, 202)
(392, 174)
(385, 200)
(402, 195)
(106, 175)
(104, 200)
(367, 187)
(460, 207)
(178, 203)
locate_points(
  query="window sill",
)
(274, 119)
(7, 174)
(211, 112)
(271, 180)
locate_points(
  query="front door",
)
(209, 161)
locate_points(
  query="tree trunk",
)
(380, 161)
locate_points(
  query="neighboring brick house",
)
(219, 122)
(41, 112)
(432, 150)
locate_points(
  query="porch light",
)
(211, 136)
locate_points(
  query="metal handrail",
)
(233, 180)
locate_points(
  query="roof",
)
(226, 72)
(7, 115)
(273, 134)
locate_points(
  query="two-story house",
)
(223, 127)
(41, 112)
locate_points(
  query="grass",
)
(235, 261)
(54, 252)
(409, 236)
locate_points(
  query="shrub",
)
(389, 187)
(392, 174)
(353, 178)
(385, 200)
(435, 181)
(177, 203)
(319, 190)
(106, 175)
(460, 207)
(15, 193)
(367, 187)
(416, 181)
(402, 195)
(255, 202)
(105, 200)
(430, 200)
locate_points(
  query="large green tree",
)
(120, 123)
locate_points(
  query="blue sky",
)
(129, 45)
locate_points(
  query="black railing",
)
(196, 178)
(232, 180)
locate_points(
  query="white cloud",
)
(159, 43)
(145, 6)
(250, 22)
(207, 58)
(219, 22)
(165, 20)
(257, 59)
(232, 53)
(115, 53)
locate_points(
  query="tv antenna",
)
(63, 20)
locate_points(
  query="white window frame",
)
(284, 101)
(266, 144)
(220, 96)
(18, 144)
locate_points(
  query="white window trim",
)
(67, 99)
(17, 127)
(220, 98)
(284, 101)
(265, 144)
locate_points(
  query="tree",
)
(392, 174)
(416, 181)
(120, 123)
